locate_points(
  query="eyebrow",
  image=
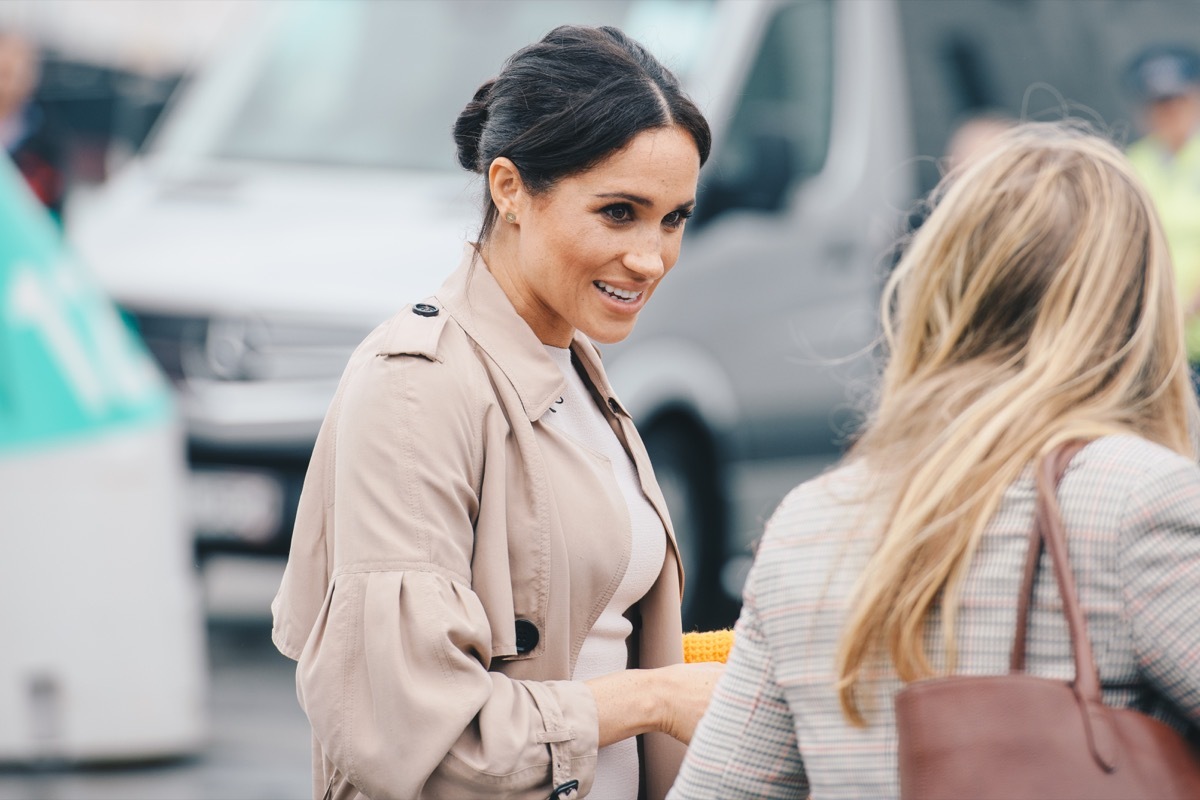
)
(638, 200)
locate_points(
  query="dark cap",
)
(1164, 71)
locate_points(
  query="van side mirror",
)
(759, 183)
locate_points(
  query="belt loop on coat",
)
(557, 735)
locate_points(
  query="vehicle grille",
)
(167, 336)
(188, 347)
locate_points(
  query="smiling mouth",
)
(623, 295)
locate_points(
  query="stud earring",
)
(510, 217)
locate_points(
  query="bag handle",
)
(1057, 461)
(1048, 531)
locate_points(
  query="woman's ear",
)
(507, 189)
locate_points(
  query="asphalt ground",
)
(258, 745)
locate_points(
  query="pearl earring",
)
(510, 217)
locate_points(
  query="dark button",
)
(564, 790)
(425, 310)
(612, 403)
(527, 636)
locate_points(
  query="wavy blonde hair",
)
(1035, 305)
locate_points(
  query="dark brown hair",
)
(566, 103)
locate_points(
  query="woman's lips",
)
(622, 295)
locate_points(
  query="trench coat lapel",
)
(480, 306)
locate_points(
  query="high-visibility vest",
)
(1174, 183)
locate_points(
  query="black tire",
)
(688, 472)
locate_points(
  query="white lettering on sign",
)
(82, 335)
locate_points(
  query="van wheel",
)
(686, 465)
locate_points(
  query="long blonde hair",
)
(1035, 305)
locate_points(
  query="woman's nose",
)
(647, 260)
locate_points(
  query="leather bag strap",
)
(1057, 459)
(1048, 531)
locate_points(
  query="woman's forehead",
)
(659, 165)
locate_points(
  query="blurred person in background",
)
(483, 592)
(974, 138)
(971, 139)
(23, 129)
(1166, 81)
(1035, 306)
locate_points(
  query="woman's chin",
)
(609, 333)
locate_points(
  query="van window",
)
(779, 133)
(379, 84)
(1035, 60)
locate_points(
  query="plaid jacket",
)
(775, 728)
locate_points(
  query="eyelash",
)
(607, 211)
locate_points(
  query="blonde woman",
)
(1036, 305)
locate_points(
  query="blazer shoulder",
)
(1130, 460)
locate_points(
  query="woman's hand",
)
(667, 700)
(689, 689)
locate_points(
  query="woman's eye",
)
(620, 212)
(676, 218)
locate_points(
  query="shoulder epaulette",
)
(415, 331)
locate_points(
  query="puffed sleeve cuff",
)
(394, 679)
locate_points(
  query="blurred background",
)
(208, 203)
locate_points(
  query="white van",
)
(269, 224)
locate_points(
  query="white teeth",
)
(623, 294)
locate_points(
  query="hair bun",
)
(468, 128)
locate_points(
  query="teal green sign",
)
(68, 364)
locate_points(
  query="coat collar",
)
(474, 298)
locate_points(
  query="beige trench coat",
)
(442, 528)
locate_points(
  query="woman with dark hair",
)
(483, 588)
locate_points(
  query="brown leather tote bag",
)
(1016, 736)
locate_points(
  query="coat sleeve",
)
(1159, 566)
(394, 674)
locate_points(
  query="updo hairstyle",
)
(564, 104)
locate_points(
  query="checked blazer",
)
(775, 728)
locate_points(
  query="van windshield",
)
(379, 84)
